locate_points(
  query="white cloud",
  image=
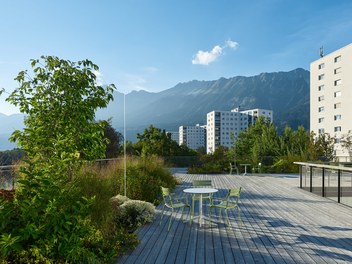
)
(206, 57)
(99, 77)
(232, 44)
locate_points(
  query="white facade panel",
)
(331, 96)
(193, 137)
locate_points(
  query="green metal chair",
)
(196, 197)
(231, 201)
(172, 202)
(233, 167)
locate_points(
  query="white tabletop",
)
(200, 190)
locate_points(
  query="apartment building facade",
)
(174, 136)
(223, 127)
(193, 137)
(331, 97)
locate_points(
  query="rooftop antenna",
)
(321, 51)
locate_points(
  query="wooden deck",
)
(281, 224)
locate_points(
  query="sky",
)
(154, 44)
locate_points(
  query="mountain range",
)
(286, 93)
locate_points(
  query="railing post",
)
(323, 182)
(300, 176)
(311, 179)
(339, 186)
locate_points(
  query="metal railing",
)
(332, 182)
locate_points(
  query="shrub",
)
(118, 200)
(144, 178)
(46, 220)
(104, 180)
(133, 214)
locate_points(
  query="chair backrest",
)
(166, 196)
(165, 191)
(232, 167)
(202, 183)
(234, 192)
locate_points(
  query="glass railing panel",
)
(331, 183)
(305, 178)
(346, 188)
(317, 180)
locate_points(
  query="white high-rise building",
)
(193, 137)
(253, 114)
(223, 127)
(175, 136)
(331, 97)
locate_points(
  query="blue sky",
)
(155, 44)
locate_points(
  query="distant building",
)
(253, 114)
(223, 127)
(175, 136)
(193, 137)
(331, 97)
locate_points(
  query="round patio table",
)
(200, 191)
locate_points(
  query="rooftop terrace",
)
(281, 224)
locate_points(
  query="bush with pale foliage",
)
(132, 213)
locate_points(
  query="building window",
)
(337, 82)
(337, 94)
(321, 109)
(321, 131)
(321, 77)
(337, 59)
(321, 87)
(337, 140)
(337, 70)
(321, 66)
(321, 120)
(337, 117)
(337, 129)
(337, 105)
(321, 98)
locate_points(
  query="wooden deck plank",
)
(281, 224)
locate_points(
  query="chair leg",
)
(172, 212)
(239, 214)
(192, 214)
(162, 213)
(227, 217)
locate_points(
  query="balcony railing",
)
(332, 182)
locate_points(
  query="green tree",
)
(114, 144)
(346, 142)
(59, 102)
(323, 147)
(47, 217)
(155, 141)
(259, 140)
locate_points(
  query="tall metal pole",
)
(124, 145)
